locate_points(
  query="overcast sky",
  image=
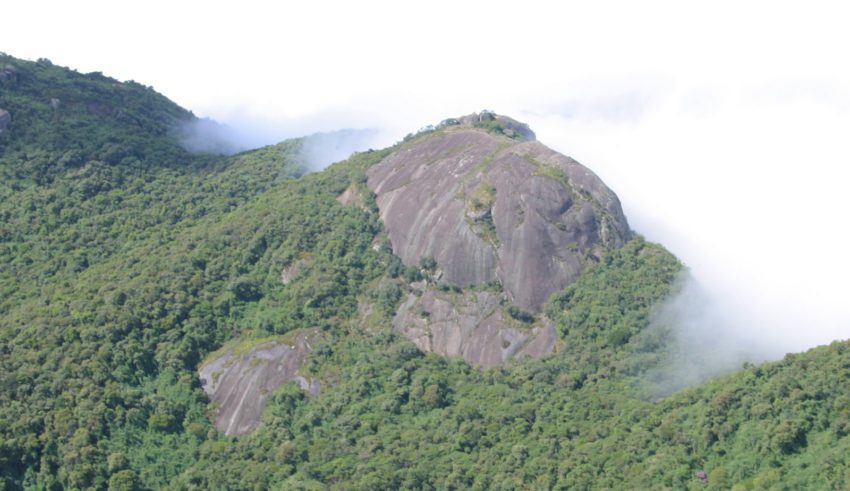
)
(723, 126)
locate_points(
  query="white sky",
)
(723, 126)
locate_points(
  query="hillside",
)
(134, 274)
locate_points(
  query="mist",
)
(746, 186)
(205, 135)
(319, 150)
(705, 339)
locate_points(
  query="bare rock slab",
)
(241, 383)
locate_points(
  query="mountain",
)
(474, 203)
(464, 309)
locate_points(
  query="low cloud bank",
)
(319, 149)
(746, 186)
(205, 135)
(706, 337)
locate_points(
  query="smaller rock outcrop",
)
(5, 120)
(240, 383)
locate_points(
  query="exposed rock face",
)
(471, 325)
(491, 208)
(241, 384)
(5, 120)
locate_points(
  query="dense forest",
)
(126, 260)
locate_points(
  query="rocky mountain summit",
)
(492, 207)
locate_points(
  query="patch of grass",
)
(550, 171)
(483, 198)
